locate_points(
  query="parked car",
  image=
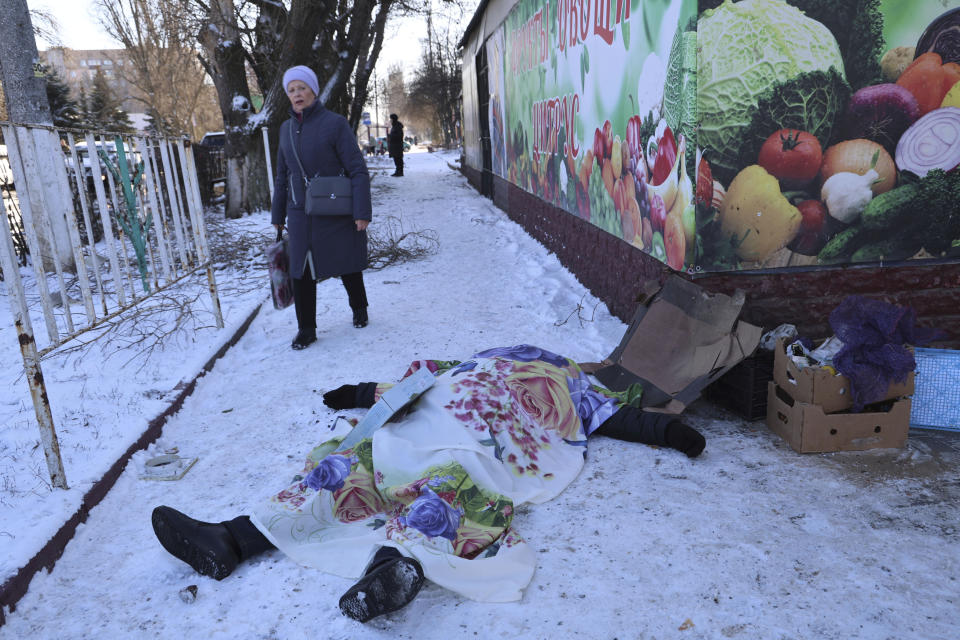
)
(110, 149)
(379, 146)
(213, 138)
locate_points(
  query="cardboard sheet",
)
(679, 341)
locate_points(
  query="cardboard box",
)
(808, 429)
(816, 385)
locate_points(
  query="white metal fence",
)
(107, 220)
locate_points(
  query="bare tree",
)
(160, 41)
(433, 98)
(45, 25)
(395, 92)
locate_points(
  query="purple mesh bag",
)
(875, 335)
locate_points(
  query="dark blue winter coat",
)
(326, 146)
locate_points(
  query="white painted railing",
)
(85, 254)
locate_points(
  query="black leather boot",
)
(390, 582)
(360, 318)
(211, 549)
(305, 337)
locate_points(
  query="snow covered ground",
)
(748, 541)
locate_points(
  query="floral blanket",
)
(441, 483)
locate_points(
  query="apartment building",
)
(78, 67)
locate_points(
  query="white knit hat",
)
(304, 74)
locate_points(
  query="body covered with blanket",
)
(442, 482)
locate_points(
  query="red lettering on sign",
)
(623, 10)
(547, 118)
(570, 147)
(601, 20)
(529, 46)
(583, 7)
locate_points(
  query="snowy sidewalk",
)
(749, 541)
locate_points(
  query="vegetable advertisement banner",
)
(722, 135)
(585, 115)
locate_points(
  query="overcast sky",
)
(79, 29)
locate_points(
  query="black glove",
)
(344, 397)
(685, 438)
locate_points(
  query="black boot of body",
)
(211, 549)
(390, 582)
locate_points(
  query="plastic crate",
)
(743, 389)
(936, 397)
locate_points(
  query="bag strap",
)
(293, 148)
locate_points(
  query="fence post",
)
(112, 255)
(170, 174)
(188, 163)
(266, 153)
(80, 179)
(148, 182)
(31, 359)
(68, 214)
(12, 136)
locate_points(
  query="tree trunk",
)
(370, 49)
(23, 82)
(255, 175)
(225, 63)
(25, 89)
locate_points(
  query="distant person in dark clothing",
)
(395, 143)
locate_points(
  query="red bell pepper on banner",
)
(666, 156)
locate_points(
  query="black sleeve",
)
(351, 396)
(366, 393)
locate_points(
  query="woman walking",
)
(318, 142)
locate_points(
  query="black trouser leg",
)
(635, 425)
(356, 292)
(250, 541)
(305, 302)
(398, 162)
